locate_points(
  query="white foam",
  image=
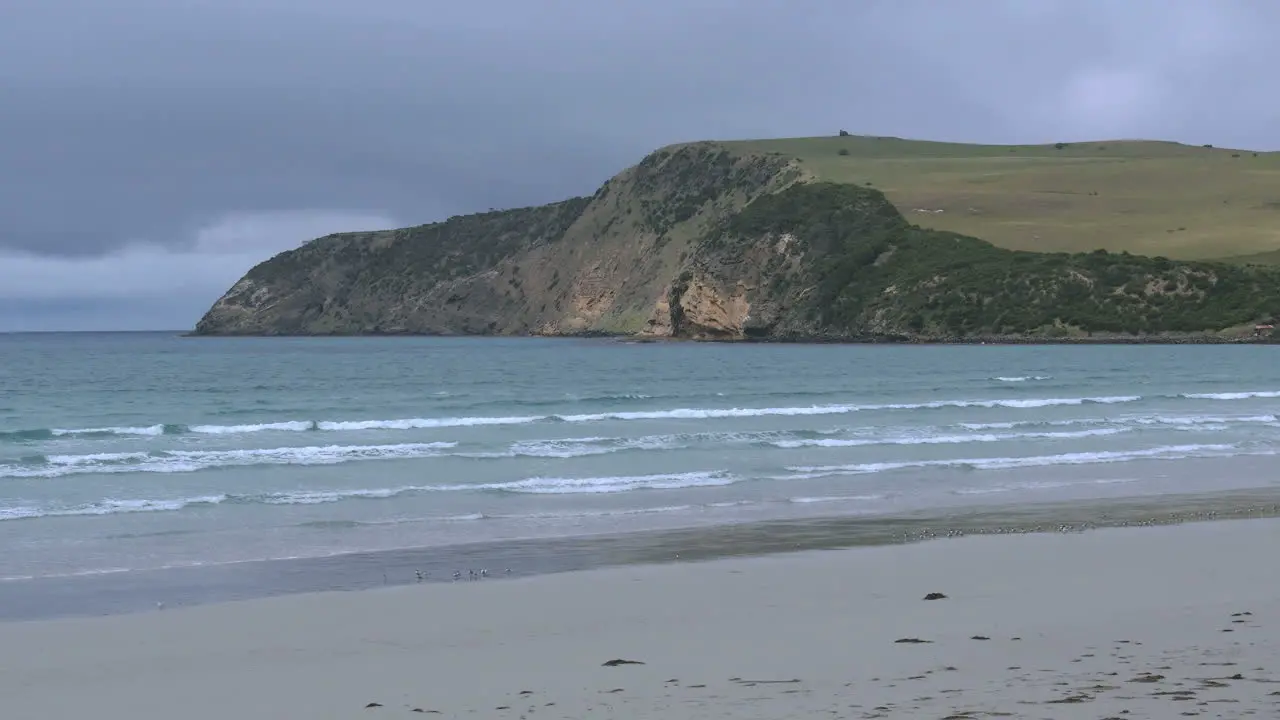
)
(1005, 463)
(331, 496)
(712, 413)
(289, 426)
(608, 484)
(109, 507)
(95, 458)
(20, 512)
(415, 423)
(715, 413)
(1011, 424)
(667, 414)
(1233, 395)
(533, 485)
(1049, 402)
(1194, 420)
(731, 504)
(567, 448)
(180, 461)
(945, 439)
(564, 448)
(424, 423)
(1022, 378)
(138, 430)
(1208, 421)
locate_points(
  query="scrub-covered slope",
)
(714, 240)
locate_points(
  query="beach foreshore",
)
(1158, 622)
(120, 591)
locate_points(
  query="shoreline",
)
(889, 340)
(138, 591)
(1120, 622)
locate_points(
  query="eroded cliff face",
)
(730, 297)
(601, 264)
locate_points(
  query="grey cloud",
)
(77, 315)
(143, 121)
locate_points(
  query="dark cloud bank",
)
(151, 151)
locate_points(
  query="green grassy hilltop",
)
(1143, 197)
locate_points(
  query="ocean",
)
(127, 456)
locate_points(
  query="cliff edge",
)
(702, 241)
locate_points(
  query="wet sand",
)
(139, 590)
(1130, 623)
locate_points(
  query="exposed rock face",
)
(709, 310)
(587, 265)
(700, 242)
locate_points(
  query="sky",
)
(152, 151)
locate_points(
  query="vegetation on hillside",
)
(810, 239)
(867, 271)
(675, 184)
(459, 246)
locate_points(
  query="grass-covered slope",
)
(839, 261)
(1142, 197)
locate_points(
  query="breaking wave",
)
(565, 448)
(533, 485)
(946, 439)
(1233, 395)
(569, 485)
(470, 421)
(177, 461)
(1168, 452)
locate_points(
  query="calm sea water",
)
(130, 451)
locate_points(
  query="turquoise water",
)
(129, 451)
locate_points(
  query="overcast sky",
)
(152, 151)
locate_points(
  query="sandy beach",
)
(1126, 623)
